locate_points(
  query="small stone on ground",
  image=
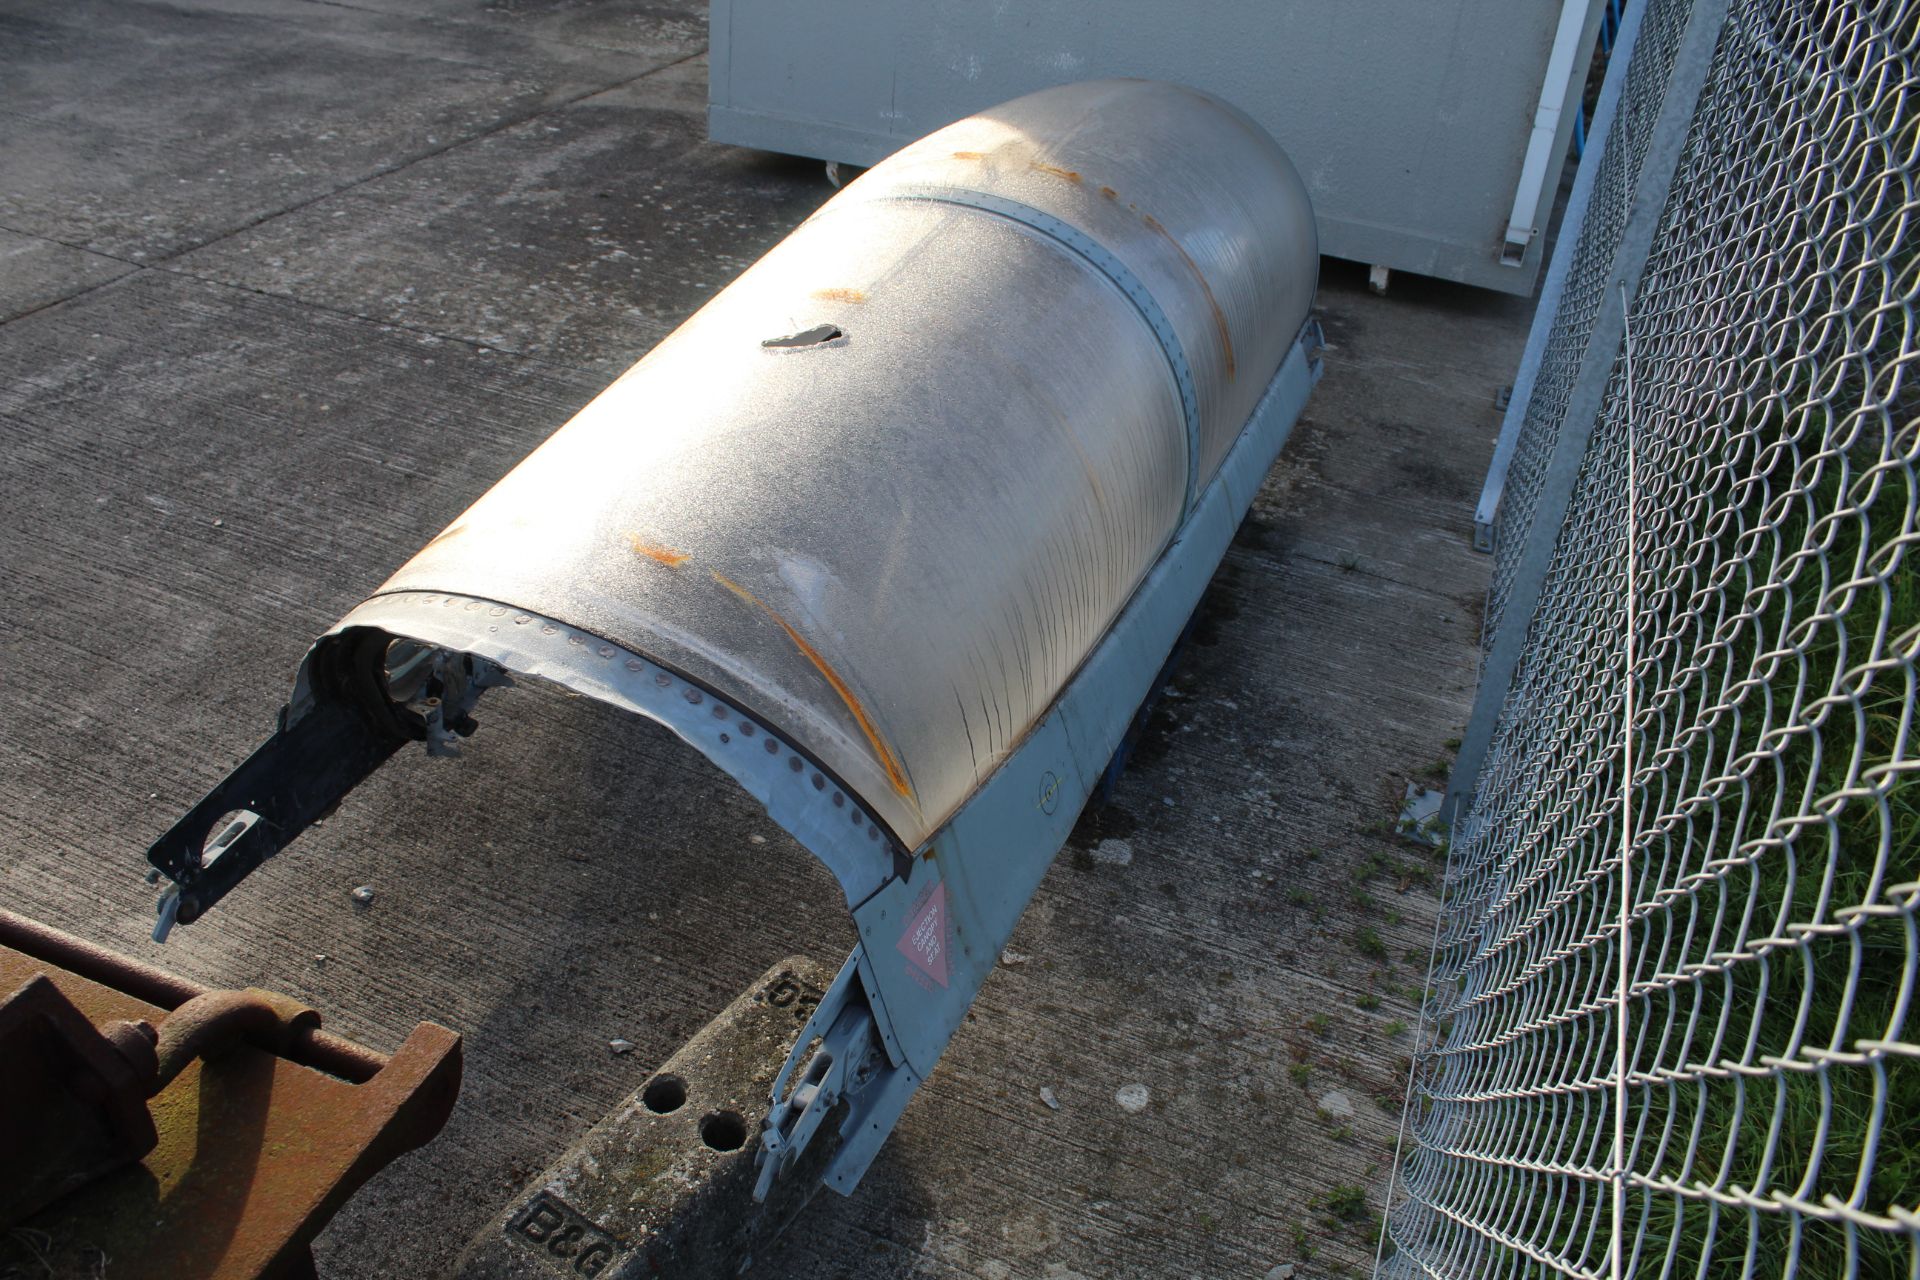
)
(1337, 1105)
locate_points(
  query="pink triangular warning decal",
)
(925, 941)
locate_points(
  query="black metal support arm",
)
(292, 780)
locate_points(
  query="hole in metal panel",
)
(817, 335)
(224, 833)
(408, 670)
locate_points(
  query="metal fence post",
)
(1667, 139)
(1553, 286)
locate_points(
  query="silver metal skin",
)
(898, 531)
(895, 545)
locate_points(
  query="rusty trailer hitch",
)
(204, 1133)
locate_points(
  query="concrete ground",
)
(286, 284)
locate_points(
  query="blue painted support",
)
(928, 941)
(1110, 778)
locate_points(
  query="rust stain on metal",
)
(896, 776)
(1067, 175)
(1219, 316)
(654, 551)
(72, 1098)
(840, 295)
(1086, 463)
(1109, 193)
(129, 979)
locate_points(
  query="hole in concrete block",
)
(664, 1094)
(723, 1131)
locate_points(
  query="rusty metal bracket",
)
(316, 755)
(72, 1098)
(259, 1127)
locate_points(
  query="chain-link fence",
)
(1736, 325)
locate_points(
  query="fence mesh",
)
(1772, 1070)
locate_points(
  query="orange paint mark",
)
(840, 295)
(889, 763)
(665, 555)
(969, 155)
(1067, 174)
(1219, 316)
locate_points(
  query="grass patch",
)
(1803, 1132)
(1346, 1205)
(1371, 866)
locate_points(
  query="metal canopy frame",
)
(1160, 247)
(932, 920)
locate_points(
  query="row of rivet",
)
(694, 695)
